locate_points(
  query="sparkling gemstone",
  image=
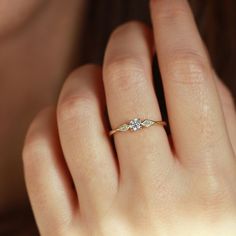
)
(148, 123)
(135, 124)
(124, 128)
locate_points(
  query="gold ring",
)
(137, 124)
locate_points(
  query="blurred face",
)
(15, 13)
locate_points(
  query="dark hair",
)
(216, 21)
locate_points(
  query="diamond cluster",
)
(136, 124)
(148, 123)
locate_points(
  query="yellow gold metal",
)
(136, 126)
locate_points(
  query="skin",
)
(37, 44)
(79, 183)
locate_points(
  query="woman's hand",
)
(80, 183)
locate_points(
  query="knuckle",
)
(33, 153)
(29, 150)
(188, 68)
(206, 121)
(172, 11)
(80, 71)
(127, 27)
(125, 73)
(30, 146)
(34, 138)
(76, 103)
(210, 134)
(32, 162)
(72, 109)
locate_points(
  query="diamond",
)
(135, 124)
(148, 123)
(124, 128)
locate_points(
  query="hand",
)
(80, 183)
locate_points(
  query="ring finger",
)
(130, 94)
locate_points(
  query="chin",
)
(15, 14)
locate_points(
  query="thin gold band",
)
(136, 124)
